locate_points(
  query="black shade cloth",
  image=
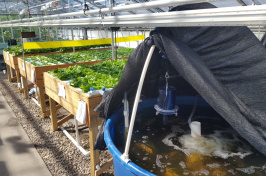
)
(225, 65)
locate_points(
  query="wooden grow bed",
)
(12, 63)
(35, 75)
(70, 103)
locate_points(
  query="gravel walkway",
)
(59, 154)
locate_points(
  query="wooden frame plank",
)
(104, 167)
(70, 103)
(65, 119)
(53, 114)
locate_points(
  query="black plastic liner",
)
(225, 65)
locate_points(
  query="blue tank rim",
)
(116, 153)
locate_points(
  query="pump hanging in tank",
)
(166, 100)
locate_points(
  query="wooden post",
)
(42, 100)
(24, 82)
(18, 75)
(95, 155)
(8, 73)
(53, 114)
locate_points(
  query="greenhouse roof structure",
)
(128, 13)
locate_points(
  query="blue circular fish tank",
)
(165, 153)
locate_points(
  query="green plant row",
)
(99, 76)
(84, 56)
(17, 50)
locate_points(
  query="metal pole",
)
(137, 31)
(3, 37)
(12, 35)
(40, 33)
(69, 6)
(26, 86)
(72, 34)
(56, 33)
(113, 45)
(112, 33)
(138, 6)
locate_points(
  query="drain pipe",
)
(124, 156)
(83, 151)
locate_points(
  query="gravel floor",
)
(56, 150)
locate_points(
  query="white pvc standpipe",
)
(83, 151)
(195, 129)
(136, 102)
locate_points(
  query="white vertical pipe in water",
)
(124, 156)
(195, 127)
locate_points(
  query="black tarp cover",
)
(225, 65)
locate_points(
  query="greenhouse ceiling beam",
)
(214, 12)
(189, 21)
(130, 7)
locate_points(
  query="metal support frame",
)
(12, 34)
(139, 6)
(3, 37)
(40, 33)
(227, 16)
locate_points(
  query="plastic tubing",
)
(124, 157)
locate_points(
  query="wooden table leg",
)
(94, 154)
(18, 76)
(53, 114)
(42, 100)
(8, 73)
(24, 83)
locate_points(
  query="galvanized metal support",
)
(12, 35)
(3, 37)
(40, 33)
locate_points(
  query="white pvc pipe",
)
(195, 129)
(77, 132)
(126, 110)
(35, 101)
(83, 151)
(136, 102)
(139, 6)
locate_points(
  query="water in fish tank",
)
(168, 149)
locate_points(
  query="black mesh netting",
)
(225, 65)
